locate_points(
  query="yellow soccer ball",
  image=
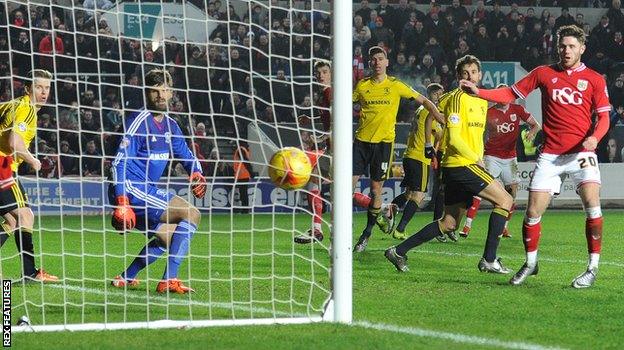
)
(290, 168)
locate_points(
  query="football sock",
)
(426, 234)
(179, 248)
(438, 206)
(408, 213)
(531, 232)
(316, 206)
(371, 221)
(495, 229)
(593, 234)
(24, 243)
(360, 200)
(150, 253)
(472, 211)
(400, 200)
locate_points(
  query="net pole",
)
(342, 143)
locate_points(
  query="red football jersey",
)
(503, 127)
(6, 174)
(569, 98)
(326, 113)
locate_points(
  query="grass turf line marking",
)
(454, 337)
(419, 332)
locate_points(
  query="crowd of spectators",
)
(243, 73)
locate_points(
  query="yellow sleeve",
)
(406, 91)
(457, 142)
(356, 93)
(23, 117)
(451, 109)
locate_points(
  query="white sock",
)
(531, 258)
(317, 226)
(594, 258)
(468, 222)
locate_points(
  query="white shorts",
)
(551, 170)
(506, 170)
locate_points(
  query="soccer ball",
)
(290, 168)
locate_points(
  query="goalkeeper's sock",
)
(426, 234)
(408, 213)
(179, 247)
(150, 253)
(495, 229)
(360, 200)
(24, 243)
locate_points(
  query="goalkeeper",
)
(151, 138)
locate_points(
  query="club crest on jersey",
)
(582, 84)
(554, 80)
(124, 143)
(454, 119)
(22, 127)
(513, 117)
(167, 137)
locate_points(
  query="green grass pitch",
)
(442, 302)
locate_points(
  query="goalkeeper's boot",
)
(452, 236)
(586, 279)
(400, 262)
(173, 285)
(309, 237)
(120, 282)
(495, 266)
(524, 272)
(45, 277)
(361, 244)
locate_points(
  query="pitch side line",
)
(418, 332)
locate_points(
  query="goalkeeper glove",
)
(123, 216)
(429, 151)
(199, 184)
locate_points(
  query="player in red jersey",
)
(571, 94)
(503, 128)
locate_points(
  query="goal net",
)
(243, 77)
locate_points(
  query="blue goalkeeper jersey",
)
(146, 148)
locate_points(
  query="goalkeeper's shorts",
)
(148, 201)
(12, 198)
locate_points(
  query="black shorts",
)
(461, 183)
(416, 175)
(13, 198)
(378, 156)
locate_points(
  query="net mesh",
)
(242, 77)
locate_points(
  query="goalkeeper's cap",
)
(375, 50)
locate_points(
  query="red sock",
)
(593, 233)
(361, 200)
(531, 236)
(472, 211)
(316, 205)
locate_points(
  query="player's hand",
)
(35, 164)
(304, 119)
(439, 117)
(469, 87)
(429, 151)
(123, 217)
(435, 163)
(590, 143)
(198, 184)
(530, 136)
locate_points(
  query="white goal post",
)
(243, 263)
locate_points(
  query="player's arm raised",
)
(182, 152)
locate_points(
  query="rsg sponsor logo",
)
(567, 96)
(505, 128)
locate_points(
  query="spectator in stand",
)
(615, 15)
(616, 49)
(565, 18)
(613, 152)
(358, 64)
(427, 68)
(364, 10)
(361, 33)
(91, 160)
(602, 34)
(482, 47)
(616, 92)
(69, 160)
(382, 33)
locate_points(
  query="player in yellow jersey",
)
(463, 174)
(416, 163)
(378, 96)
(18, 127)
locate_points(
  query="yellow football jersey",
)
(469, 114)
(380, 104)
(19, 116)
(416, 139)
